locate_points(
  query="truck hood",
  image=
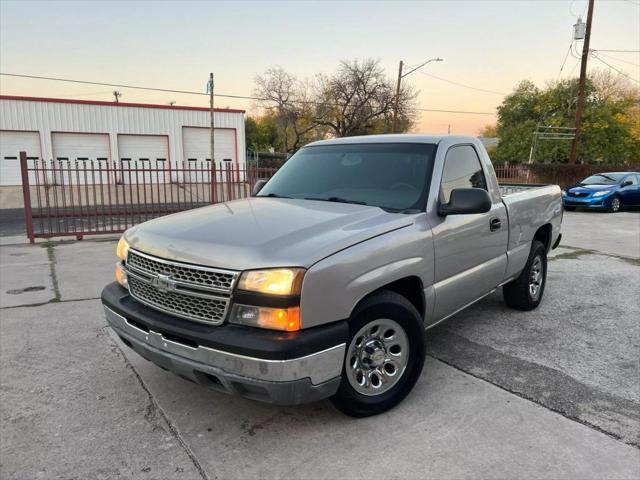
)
(262, 232)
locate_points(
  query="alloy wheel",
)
(615, 204)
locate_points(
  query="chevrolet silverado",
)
(324, 283)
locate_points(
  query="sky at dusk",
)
(489, 45)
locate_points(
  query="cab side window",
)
(462, 169)
(633, 179)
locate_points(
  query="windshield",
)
(603, 179)
(393, 176)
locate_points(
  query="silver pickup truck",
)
(324, 282)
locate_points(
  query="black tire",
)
(570, 209)
(383, 305)
(615, 205)
(517, 293)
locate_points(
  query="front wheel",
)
(525, 292)
(384, 357)
(570, 209)
(616, 205)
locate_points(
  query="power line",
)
(619, 51)
(187, 92)
(565, 60)
(135, 87)
(619, 71)
(460, 84)
(616, 58)
(455, 111)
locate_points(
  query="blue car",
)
(604, 191)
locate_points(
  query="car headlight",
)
(121, 252)
(122, 249)
(121, 275)
(274, 281)
(257, 290)
(287, 319)
(601, 193)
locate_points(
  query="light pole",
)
(400, 77)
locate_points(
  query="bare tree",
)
(288, 100)
(359, 99)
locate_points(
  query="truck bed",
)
(528, 208)
(510, 188)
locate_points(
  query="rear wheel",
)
(385, 355)
(616, 205)
(525, 292)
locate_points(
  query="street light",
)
(400, 77)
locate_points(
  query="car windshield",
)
(603, 179)
(393, 176)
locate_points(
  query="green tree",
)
(608, 121)
(261, 133)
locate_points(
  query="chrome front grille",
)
(187, 291)
(193, 308)
(213, 278)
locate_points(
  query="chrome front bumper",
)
(289, 382)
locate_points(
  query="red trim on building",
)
(114, 104)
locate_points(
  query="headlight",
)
(563, 192)
(287, 319)
(121, 275)
(122, 249)
(275, 281)
(601, 193)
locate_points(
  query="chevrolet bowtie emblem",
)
(163, 283)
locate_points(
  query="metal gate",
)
(93, 197)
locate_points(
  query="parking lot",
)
(552, 393)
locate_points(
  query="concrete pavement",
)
(552, 393)
(612, 233)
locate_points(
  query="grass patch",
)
(52, 270)
(574, 254)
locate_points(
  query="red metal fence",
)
(91, 197)
(515, 173)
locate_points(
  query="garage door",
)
(74, 147)
(81, 146)
(196, 144)
(148, 152)
(11, 144)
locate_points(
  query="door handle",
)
(495, 224)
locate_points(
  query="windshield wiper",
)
(274, 195)
(336, 199)
(605, 176)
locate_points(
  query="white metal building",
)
(52, 128)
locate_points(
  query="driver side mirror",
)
(626, 183)
(257, 187)
(465, 201)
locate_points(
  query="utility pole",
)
(213, 142)
(400, 77)
(117, 94)
(395, 108)
(583, 78)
